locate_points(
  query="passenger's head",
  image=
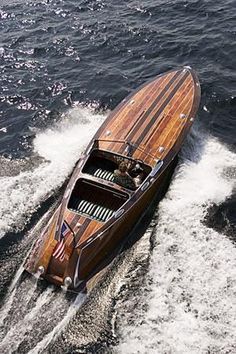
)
(123, 167)
(138, 168)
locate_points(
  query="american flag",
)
(59, 251)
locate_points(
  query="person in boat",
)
(138, 180)
(137, 173)
(122, 177)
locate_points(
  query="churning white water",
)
(60, 147)
(28, 316)
(42, 345)
(191, 288)
(17, 332)
(189, 299)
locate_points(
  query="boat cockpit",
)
(95, 194)
(95, 200)
(102, 164)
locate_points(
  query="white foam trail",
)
(16, 334)
(60, 146)
(191, 299)
(6, 307)
(16, 278)
(42, 345)
(12, 292)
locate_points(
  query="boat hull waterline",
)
(146, 129)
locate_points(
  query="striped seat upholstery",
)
(96, 211)
(100, 173)
(107, 175)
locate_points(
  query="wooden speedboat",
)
(96, 214)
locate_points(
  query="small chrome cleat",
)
(40, 270)
(161, 149)
(67, 282)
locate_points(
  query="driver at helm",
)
(122, 177)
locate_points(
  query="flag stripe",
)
(59, 249)
(62, 257)
(62, 250)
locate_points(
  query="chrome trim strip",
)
(158, 166)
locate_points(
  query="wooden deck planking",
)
(153, 140)
(133, 108)
(119, 121)
(181, 125)
(154, 117)
(167, 132)
(126, 109)
(129, 120)
(148, 107)
(170, 114)
(123, 123)
(165, 107)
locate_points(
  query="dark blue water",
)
(64, 64)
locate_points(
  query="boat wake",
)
(187, 302)
(32, 314)
(172, 291)
(56, 151)
(25, 186)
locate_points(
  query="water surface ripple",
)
(64, 64)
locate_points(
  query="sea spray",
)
(42, 345)
(17, 332)
(190, 303)
(60, 147)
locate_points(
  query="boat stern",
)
(52, 259)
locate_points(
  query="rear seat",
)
(96, 211)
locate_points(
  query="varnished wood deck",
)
(153, 117)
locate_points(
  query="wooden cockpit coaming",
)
(132, 199)
(96, 200)
(108, 161)
(135, 197)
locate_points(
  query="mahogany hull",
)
(148, 126)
